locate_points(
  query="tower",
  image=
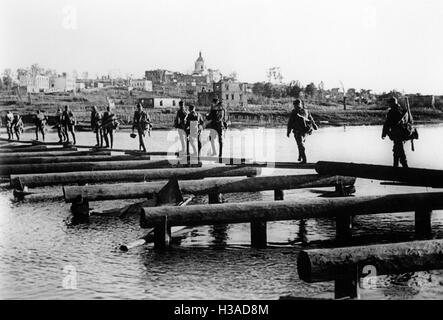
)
(199, 66)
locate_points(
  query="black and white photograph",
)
(250, 151)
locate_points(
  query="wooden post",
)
(347, 285)
(278, 195)
(343, 227)
(423, 228)
(162, 234)
(80, 211)
(258, 234)
(215, 197)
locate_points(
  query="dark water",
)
(37, 249)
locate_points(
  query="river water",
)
(42, 258)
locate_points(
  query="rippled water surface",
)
(36, 245)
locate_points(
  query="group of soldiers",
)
(398, 126)
(190, 125)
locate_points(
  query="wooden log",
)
(318, 265)
(292, 210)
(23, 149)
(160, 170)
(423, 228)
(410, 176)
(21, 169)
(278, 194)
(39, 150)
(203, 187)
(86, 158)
(258, 234)
(282, 165)
(73, 152)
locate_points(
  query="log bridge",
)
(345, 266)
(213, 187)
(259, 213)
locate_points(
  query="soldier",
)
(394, 127)
(68, 121)
(142, 123)
(109, 124)
(9, 128)
(180, 125)
(194, 126)
(96, 118)
(59, 125)
(40, 123)
(17, 125)
(217, 124)
(302, 124)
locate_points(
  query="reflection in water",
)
(36, 245)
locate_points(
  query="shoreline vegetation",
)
(274, 115)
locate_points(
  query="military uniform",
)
(394, 124)
(141, 122)
(301, 123)
(96, 119)
(17, 125)
(9, 127)
(180, 125)
(109, 124)
(40, 123)
(68, 122)
(194, 125)
(217, 123)
(60, 127)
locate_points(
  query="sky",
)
(379, 45)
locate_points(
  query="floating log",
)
(291, 210)
(86, 158)
(318, 265)
(48, 153)
(23, 149)
(14, 158)
(410, 176)
(282, 165)
(31, 151)
(161, 169)
(205, 186)
(82, 166)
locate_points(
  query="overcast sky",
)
(381, 45)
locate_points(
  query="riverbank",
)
(271, 116)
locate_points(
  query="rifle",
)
(410, 120)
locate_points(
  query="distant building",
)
(159, 102)
(141, 84)
(63, 83)
(230, 93)
(199, 65)
(34, 84)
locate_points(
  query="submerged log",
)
(318, 265)
(163, 170)
(205, 186)
(82, 166)
(85, 158)
(22, 148)
(292, 210)
(410, 176)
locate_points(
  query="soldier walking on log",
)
(180, 125)
(40, 123)
(60, 127)
(194, 126)
(9, 127)
(217, 124)
(301, 123)
(142, 123)
(17, 125)
(68, 121)
(397, 126)
(109, 124)
(96, 118)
